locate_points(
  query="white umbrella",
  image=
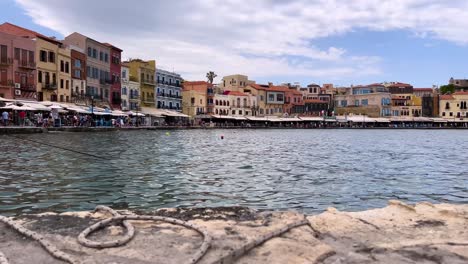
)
(25, 108)
(55, 107)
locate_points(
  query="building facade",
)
(98, 78)
(143, 72)
(78, 75)
(373, 100)
(17, 67)
(115, 75)
(235, 82)
(454, 106)
(64, 74)
(194, 98)
(168, 90)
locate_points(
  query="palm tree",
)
(211, 76)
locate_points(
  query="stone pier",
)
(398, 233)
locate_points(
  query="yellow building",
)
(408, 105)
(143, 72)
(195, 98)
(235, 82)
(452, 106)
(64, 74)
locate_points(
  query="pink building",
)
(115, 71)
(17, 67)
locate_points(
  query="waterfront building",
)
(115, 71)
(460, 84)
(78, 75)
(294, 104)
(408, 105)
(64, 75)
(143, 72)
(429, 101)
(168, 90)
(17, 67)
(236, 82)
(125, 86)
(399, 88)
(46, 50)
(454, 105)
(194, 98)
(222, 105)
(98, 81)
(239, 103)
(312, 91)
(315, 107)
(373, 100)
(130, 91)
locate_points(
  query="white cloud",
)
(262, 38)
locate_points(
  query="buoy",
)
(168, 134)
(222, 136)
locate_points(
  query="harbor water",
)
(305, 170)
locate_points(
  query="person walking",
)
(22, 116)
(5, 118)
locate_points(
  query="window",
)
(67, 67)
(67, 84)
(280, 97)
(261, 97)
(201, 101)
(233, 112)
(344, 103)
(101, 55)
(39, 76)
(61, 98)
(62, 66)
(31, 56)
(90, 52)
(124, 90)
(17, 54)
(95, 53)
(61, 83)
(443, 114)
(106, 57)
(271, 97)
(451, 114)
(240, 112)
(51, 57)
(124, 74)
(43, 56)
(77, 63)
(77, 73)
(54, 78)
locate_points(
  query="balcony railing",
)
(148, 82)
(28, 87)
(50, 86)
(4, 61)
(168, 83)
(169, 95)
(134, 97)
(27, 65)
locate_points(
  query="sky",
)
(344, 42)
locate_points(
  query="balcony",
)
(106, 81)
(50, 86)
(28, 87)
(27, 65)
(169, 84)
(209, 92)
(148, 82)
(169, 95)
(6, 61)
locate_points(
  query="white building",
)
(168, 90)
(130, 94)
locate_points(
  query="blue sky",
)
(422, 42)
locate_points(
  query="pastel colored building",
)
(78, 75)
(143, 72)
(168, 90)
(194, 98)
(235, 82)
(115, 72)
(17, 67)
(454, 106)
(130, 91)
(98, 78)
(46, 50)
(373, 100)
(64, 74)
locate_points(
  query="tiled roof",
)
(446, 97)
(21, 32)
(422, 89)
(112, 46)
(235, 93)
(460, 93)
(399, 84)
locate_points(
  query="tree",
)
(211, 76)
(449, 88)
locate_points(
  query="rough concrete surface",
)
(398, 233)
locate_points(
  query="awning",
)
(173, 113)
(38, 107)
(151, 111)
(118, 113)
(255, 118)
(6, 100)
(78, 110)
(137, 114)
(311, 118)
(382, 120)
(439, 120)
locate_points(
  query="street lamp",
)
(92, 110)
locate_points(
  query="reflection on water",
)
(307, 170)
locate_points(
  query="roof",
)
(446, 97)
(112, 46)
(195, 82)
(460, 93)
(399, 84)
(375, 84)
(259, 86)
(423, 89)
(22, 32)
(235, 93)
(316, 101)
